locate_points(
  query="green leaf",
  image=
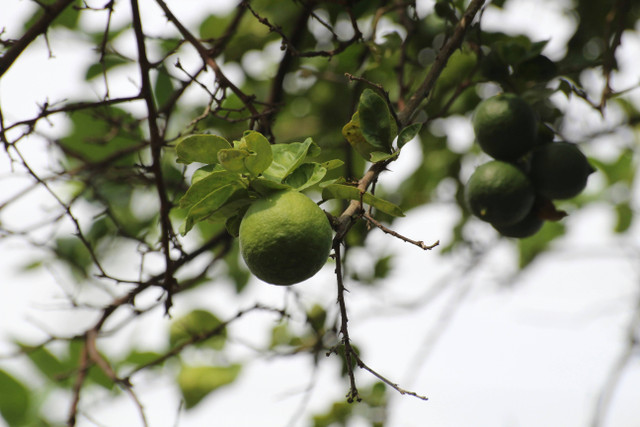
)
(624, 213)
(352, 132)
(213, 26)
(110, 61)
(68, 18)
(196, 382)
(15, 399)
(622, 169)
(200, 148)
(232, 159)
(306, 175)
(266, 187)
(204, 172)
(206, 207)
(332, 164)
(375, 120)
(232, 224)
(46, 362)
(286, 158)
(197, 324)
(141, 358)
(408, 133)
(207, 185)
(163, 88)
(101, 134)
(339, 191)
(379, 156)
(260, 152)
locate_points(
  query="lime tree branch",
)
(208, 58)
(440, 62)
(418, 243)
(156, 152)
(343, 223)
(41, 26)
(202, 336)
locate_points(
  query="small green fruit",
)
(500, 193)
(505, 126)
(285, 238)
(526, 227)
(559, 170)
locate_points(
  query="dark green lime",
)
(500, 193)
(526, 227)
(559, 170)
(505, 126)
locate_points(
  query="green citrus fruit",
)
(285, 238)
(526, 227)
(559, 170)
(505, 126)
(500, 193)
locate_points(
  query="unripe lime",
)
(285, 238)
(526, 227)
(559, 170)
(500, 193)
(505, 126)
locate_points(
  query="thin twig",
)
(418, 243)
(41, 26)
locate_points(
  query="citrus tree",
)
(175, 161)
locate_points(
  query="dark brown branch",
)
(349, 352)
(40, 27)
(156, 153)
(440, 62)
(208, 59)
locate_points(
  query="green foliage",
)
(193, 327)
(196, 382)
(302, 96)
(348, 192)
(15, 399)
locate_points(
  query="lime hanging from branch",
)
(285, 238)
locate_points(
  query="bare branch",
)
(40, 27)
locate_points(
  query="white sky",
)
(529, 352)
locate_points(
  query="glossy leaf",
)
(375, 120)
(408, 133)
(232, 159)
(260, 152)
(265, 186)
(286, 158)
(306, 175)
(207, 185)
(379, 156)
(353, 134)
(196, 382)
(200, 148)
(339, 191)
(207, 206)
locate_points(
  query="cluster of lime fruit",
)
(515, 191)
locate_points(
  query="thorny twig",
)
(418, 243)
